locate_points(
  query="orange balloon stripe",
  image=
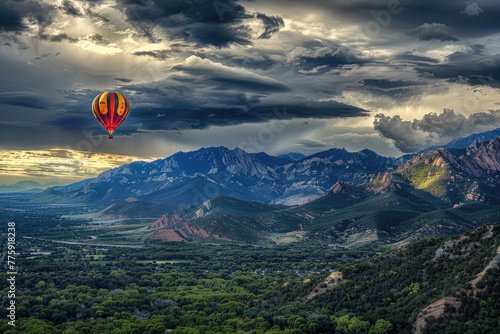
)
(125, 114)
(121, 104)
(103, 103)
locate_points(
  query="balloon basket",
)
(110, 137)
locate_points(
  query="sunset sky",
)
(273, 76)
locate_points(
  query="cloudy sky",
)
(274, 76)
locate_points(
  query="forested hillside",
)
(191, 288)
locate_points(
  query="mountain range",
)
(435, 194)
(463, 142)
(193, 177)
(26, 186)
(332, 197)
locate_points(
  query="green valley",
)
(303, 287)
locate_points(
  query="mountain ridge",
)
(193, 177)
(439, 193)
(339, 197)
(469, 174)
(26, 186)
(463, 142)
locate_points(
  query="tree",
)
(341, 323)
(381, 327)
(356, 325)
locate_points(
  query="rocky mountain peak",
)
(341, 188)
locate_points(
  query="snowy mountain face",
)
(194, 177)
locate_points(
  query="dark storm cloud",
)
(72, 121)
(58, 38)
(450, 14)
(217, 22)
(214, 34)
(477, 48)
(40, 12)
(24, 99)
(94, 15)
(433, 31)
(253, 61)
(223, 82)
(325, 109)
(12, 14)
(123, 80)
(448, 122)
(169, 105)
(191, 116)
(411, 136)
(272, 24)
(386, 84)
(206, 72)
(98, 39)
(250, 59)
(205, 22)
(331, 59)
(70, 9)
(404, 136)
(312, 55)
(400, 89)
(239, 76)
(411, 58)
(405, 15)
(157, 54)
(10, 17)
(474, 68)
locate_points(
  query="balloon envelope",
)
(111, 109)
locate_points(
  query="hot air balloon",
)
(111, 109)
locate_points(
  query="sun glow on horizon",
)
(58, 165)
